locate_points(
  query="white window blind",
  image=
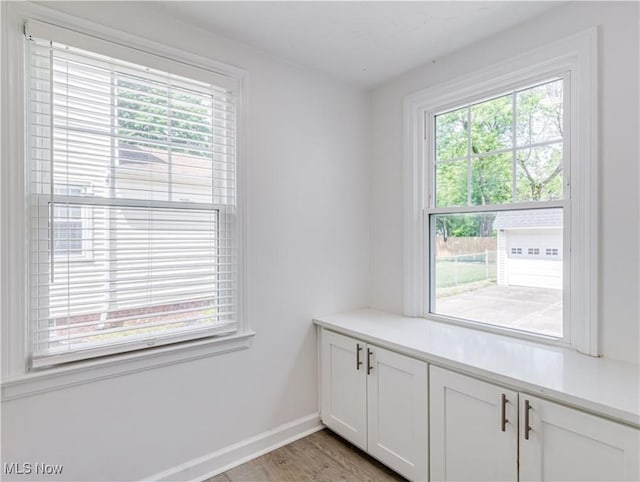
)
(132, 180)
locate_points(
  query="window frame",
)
(17, 381)
(121, 196)
(573, 58)
(431, 209)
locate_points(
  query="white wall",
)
(308, 254)
(619, 160)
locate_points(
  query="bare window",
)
(497, 166)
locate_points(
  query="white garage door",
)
(534, 258)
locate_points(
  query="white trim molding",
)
(576, 55)
(17, 381)
(88, 371)
(229, 457)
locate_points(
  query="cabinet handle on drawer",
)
(369, 367)
(358, 350)
(503, 424)
(527, 428)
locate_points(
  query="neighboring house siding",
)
(135, 249)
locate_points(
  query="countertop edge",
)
(586, 404)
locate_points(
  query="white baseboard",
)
(202, 468)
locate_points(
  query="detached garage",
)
(530, 248)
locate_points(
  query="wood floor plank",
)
(355, 463)
(320, 457)
(319, 466)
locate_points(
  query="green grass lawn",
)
(449, 273)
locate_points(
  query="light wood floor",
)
(320, 457)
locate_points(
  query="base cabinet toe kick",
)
(430, 422)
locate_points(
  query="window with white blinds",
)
(132, 181)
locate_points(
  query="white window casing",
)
(136, 187)
(574, 59)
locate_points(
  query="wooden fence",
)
(454, 246)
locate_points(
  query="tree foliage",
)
(143, 111)
(478, 164)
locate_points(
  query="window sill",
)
(114, 366)
(504, 330)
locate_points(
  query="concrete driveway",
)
(521, 307)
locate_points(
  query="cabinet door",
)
(469, 440)
(397, 388)
(567, 444)
(344, 387)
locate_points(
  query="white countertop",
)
(599, 385)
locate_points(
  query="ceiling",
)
(364, 43)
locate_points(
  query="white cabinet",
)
(344, 387)
(398, 408)
(562, 443)
(476, 431)
(378, 400)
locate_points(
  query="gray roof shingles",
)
(531, 218)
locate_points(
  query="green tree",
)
(540, 116)
(143, 111)
(484, 176)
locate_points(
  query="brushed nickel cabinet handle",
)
(369, 367)
(503, 424)
(358, 350)
(527, 427)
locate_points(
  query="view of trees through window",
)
(143, 111)
(503, 151)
